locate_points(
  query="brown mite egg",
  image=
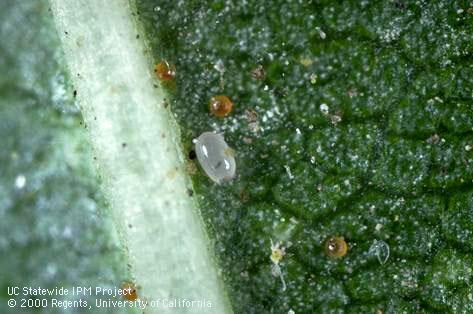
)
(336, 247)
(129, 291)
(220, 106)
(165, 71)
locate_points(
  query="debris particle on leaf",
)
(277, 253)
(321, 33)
(306, 61)
(380, 249)
(313, 78)
(324, 108)
(288, 171)
(258, 73)
(251, 115)
(335, 118)
(220, 67)
(434, 139)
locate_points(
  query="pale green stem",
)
(136, 142)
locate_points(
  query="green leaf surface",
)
(361, 127)
(363, 130)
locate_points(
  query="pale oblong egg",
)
(215, 157)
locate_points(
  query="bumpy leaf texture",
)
(351, 119)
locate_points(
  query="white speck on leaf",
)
(321, 33)
(288, 171)
(380, 249)
(313, 78)
(219, 66)
(378, 227)
(324, 108)
(20, 181)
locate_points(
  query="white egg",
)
(215, 157)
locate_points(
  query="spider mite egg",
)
(129, 291)
(220, 106)
(336, 247)
(215, 157)
(165, 71)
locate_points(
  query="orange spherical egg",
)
(220, 106)
(336, 247)
(165, 71)
(129, 291)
